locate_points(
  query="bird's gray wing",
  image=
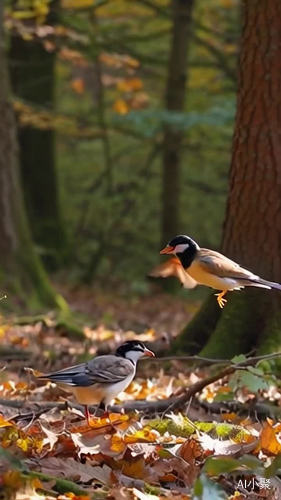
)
(219, 265)
(173, 267)
(107, 369)
(73, 375)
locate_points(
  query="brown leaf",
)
(269, 442)
(75, 471)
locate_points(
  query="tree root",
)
(64, 320)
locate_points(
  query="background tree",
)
(112, 70)
(32, 67)
(174, 101)
(252, 229)
(22, 274)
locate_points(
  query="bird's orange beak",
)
(167, 249)
(149, 353)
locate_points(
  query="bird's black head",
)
(133, 350)
(184, 247)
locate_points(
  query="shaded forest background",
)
(93, 91)
(117, 133)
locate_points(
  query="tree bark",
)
(32, 76)
(252, 228)
(21, 272)
(174, 101)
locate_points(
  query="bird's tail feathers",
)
(269, 284)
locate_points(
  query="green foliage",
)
(252, 378)
(109, 117)
(150, 122)
(205, 489)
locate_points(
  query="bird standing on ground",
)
(102, 378)
(201, 266)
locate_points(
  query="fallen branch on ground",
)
(151, 407)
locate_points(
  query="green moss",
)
(167, 425)
(152, 490)
(222, 430)
(185, 429)
(239, 325)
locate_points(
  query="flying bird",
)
(102, 378)
(200, 266)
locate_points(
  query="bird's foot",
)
(220, 299)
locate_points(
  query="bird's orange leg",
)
(220, 299)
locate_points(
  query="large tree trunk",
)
(174, 101)
(252, 229)
(21, 272)
(32, 78)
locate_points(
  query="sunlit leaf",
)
(5, 423)
(143, 435)
(78, 85)
(130, 84)
(269, 441)
(121, 107)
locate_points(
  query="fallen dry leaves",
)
(53, 453)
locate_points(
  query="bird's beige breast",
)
(91, 395)
(204, 278)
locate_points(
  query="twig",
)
(187, 358)
(9, 354)
(254, 408)
(161, 406)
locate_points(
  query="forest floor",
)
(229, 445)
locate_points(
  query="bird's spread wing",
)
(219, 265)
(173, 267)
(107, 369)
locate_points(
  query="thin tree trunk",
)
(174, 101)
(252, 229)
(22, 275)
(32, 77)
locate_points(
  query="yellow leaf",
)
(36, 483)
(121, 107)
(23, 444)
(135, 468)
(227, 4)
(77, 4)
(129, 85)
(144, 435)
(78, 85)
(118, 61)
(5, 423)
(117, 444)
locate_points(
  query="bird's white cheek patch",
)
(180, 248)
